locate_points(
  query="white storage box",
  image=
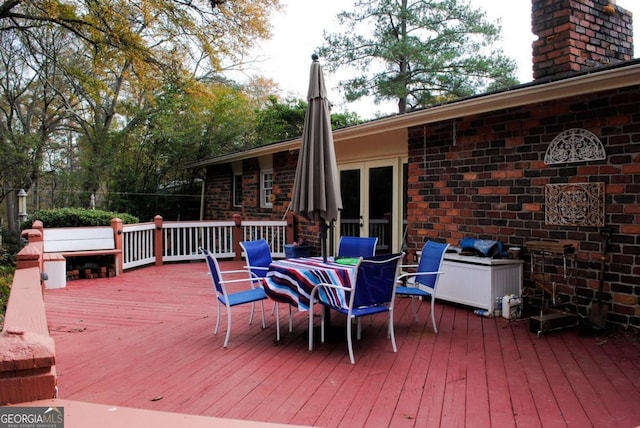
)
(478, 281)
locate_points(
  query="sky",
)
(297, 31)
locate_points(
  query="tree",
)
(279, 121)
(113, 57)
(202, 31)
(187, 120)
(419, 52)
(31, 111)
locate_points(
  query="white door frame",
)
(364, 167)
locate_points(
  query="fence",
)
(158, 242)
(138, 245)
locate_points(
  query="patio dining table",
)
(292, 280)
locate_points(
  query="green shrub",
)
(71, 217)
(12, 243)
(6, 279)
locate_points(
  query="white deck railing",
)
(181, 240)
(274, 232)
(138, 245)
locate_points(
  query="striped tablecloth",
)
(292, 280)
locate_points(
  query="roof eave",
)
(601, 80)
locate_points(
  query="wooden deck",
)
(145, 340)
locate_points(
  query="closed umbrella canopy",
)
(316, 191)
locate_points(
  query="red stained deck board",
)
(296, 404)
(456, 380)
(570, 408)
(347, 384)
(581, 384)
(623, 370)
(542, 394)
(386, 403)
(432, 398)
(419, 340)
(500, 406)
(277, 370)
(376, 380)
(477, 397)
(620, 376)
(229, 375)
(148, 334)
(525, 414)
(602, 375)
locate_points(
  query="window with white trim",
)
(266, 188)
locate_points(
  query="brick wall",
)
(219, 188)
(484, 177)
(284, 170)
(575, 35)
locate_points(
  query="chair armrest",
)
(313, 296)
(233, 281)
(223, 272)
(412, 274)
(253, 274)
(330, 285)
(408, 266)
(256, 267)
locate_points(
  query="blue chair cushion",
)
(411, 291)
(246, 296)
(362, 311)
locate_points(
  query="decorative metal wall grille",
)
(574, 145)
(578, 204)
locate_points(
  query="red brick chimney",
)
(579, 35)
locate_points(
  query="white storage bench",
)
(62, 242)
(478, 281)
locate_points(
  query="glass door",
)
(380, 207)
(368, 202)
(351, 215)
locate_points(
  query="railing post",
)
(290, 227)
(237, 237)
(38, 226)
(29, 256)
(158, 244)
(116, 225)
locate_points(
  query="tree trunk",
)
(12, 212)
(402, 101)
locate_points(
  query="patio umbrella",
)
(316, 191)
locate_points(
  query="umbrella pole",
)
(323, 239)
(323, 249)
